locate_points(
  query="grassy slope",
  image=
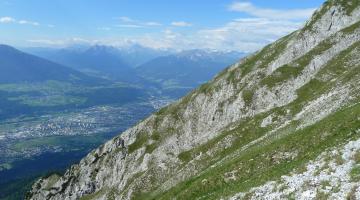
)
(255, 166)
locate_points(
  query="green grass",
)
(280, 75)
(340, 65)
(266, 55)
(205, 88)
(255, 166)
(156, 136)
(322, 196)
(232, 76)
(185, 156)
(286, 72)
(335, 68)
(141, 139)
(308, 92)
(248, 96)
(247, 130)
(293, 70)
(355, 174)
(150, 148)
(351, 29)
(260, 59)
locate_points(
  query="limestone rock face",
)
(260, 119)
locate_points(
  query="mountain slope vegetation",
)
(268, 117)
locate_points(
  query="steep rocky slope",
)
(257, 130)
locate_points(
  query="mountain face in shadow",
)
(17, 66)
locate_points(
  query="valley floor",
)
(39, 145)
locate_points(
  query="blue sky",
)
(180, 24)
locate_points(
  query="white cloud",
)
(290, 14)
(128, 22)
(247, 34)
(6, 20)
(47, 42)
(153, 24)
(181, 24)
(28, 22)
(129, 26)
(61, 42)
(242, 34)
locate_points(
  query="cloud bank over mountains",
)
(254, 28)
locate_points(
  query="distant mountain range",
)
(17, 66)
(166, 69)
(96, 60)
(136, 55)
(88, 76)
(188, 68)
(133, 55)
(170, 73)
